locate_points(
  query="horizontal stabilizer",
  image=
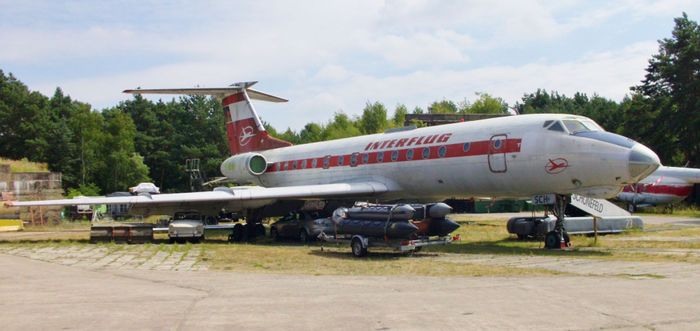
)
(219, 92)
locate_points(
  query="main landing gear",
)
(558, 238)
(250, 230)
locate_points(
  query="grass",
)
(676, 210)
(62, 226)
(478, 238)
(25, 165)
(491, 237)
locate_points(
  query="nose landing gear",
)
(558, 238)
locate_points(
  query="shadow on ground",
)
(510, 247)
(335, 253)
(496, 247)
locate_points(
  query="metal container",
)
(133, 233)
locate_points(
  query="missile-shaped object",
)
(431, 210)
(381, 212)
(401, 229)
(435, 227)
(438, 210)
(441, 227)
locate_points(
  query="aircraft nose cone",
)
(642, 162)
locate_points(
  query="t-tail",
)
(244, 129)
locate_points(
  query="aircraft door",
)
(497, 153)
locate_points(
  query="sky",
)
(331, 56)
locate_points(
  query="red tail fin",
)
(243, 127)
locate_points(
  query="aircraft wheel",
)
(303, 236)
(551, 240)
(274, 234)
(197, 240)
(259, 230)
(358, 249)
(236, 233)
(417, 249)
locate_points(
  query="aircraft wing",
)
(223, 195)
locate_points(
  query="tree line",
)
(141, 140)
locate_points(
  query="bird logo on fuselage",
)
(556, 166)
(246, 134)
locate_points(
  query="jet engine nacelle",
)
(244, 168)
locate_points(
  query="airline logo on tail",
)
(246, 134)
(243, 126)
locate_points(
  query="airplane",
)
(666, 185)
(515, 156)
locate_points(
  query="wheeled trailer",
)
(359, 244)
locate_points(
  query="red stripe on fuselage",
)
(400, 155)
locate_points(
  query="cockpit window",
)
(592, 125)
(576, 126)
(547, 123)
(608, 137)
(556, 127)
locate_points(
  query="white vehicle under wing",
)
(242, 196)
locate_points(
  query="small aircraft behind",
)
(514, 156)
(666, 185)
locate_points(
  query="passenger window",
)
(341, 159)
(442, 151)
(326, 162)
(409, 154)
(426, 152)
(394, 155)
(466, 147)
(365, 158)
(497, 144)
(353, 159)
(314, 163)
(380, 157)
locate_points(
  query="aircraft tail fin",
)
(244, 129)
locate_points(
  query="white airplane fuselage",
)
(512, 156)
(515, 156)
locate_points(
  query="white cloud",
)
(443, 47)
(609, 74)
(325, 56)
